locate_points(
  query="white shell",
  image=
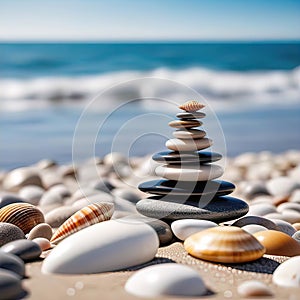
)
(103, 247)
(182, 229)
(169, 279)
(288, 273)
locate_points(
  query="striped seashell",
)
(89, 215)
(23, 215)
(191, 106)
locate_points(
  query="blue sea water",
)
(253, 87)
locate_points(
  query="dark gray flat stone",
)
(172, 157)
(12, 263)
(9, 199)
(164, 187)
(219, 209)
(190, 115)
(10, 285)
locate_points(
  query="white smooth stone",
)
(107, 246)
(288, 273)
(254, 288)
(189, 173)
(188, 145)
(189, 134)
(253, 228)
(281, 186)
(261, 209)
(186, 227)
(168, 279)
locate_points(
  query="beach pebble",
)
(289, 205)
(83, 193)
(295, 197)
(43, 243)
(296, 236)
(281, 186)
(254, 288)
(246, 159)
(290, 216)
(185, 123)
(12, 263)
(25, 249)
(103, 185)
(188, 145)
(127, 194)
(10, 285)
(115, 158)
(100, 197)
(284, 226)
(296, 226)
(18, 178)
(46, 164)
(41, 230)
(32, 194)
(278, 243)
(7, 199)
(168, 279)
(186, 227)
(50, 178)
(59, 215)
(288, 273)
(254, 189)
(118, 245)
(189, 134)
(51, 198)
(10, 232)
(60, 190)
(255, 220)
(261, 209)
(252, 228)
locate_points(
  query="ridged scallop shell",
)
(225, 244)
(23, 215)
(89, 215)
(191, 106)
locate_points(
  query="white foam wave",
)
(220, 87)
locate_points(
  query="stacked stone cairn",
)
(188, 188)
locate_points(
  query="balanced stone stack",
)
(188, 189)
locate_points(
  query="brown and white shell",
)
(225, 244)
(23, 215)
(191, 106)
(89, 215)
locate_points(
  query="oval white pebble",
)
(254, 288)
(166, 280)
(182, 229)
(106, 246)
(288, 273)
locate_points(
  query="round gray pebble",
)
(10, 232)
(127, 195)
(12, 263)
(164, 232)
(32, 194)
(255, 220)
(59, 215)
(43, 230)
(25, 249)
(7, 199)
(10, 285)
(296, 236)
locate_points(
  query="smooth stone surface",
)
(103, 185)
(61, 190)
(167, 279)
(43, 230)
(12, 263)
(59, 215)
(118, 245)
(296, 226)
(284, 226)
(172, 157)
(252, 228)
(10, 232)
(43, 243)
(127, 194)
(289, 205)
(296, 236)
(10, 285)
(254, 189)
(191, 115)
(261, 209)
(288, 273)
(281, 186)
(189, 134)
(32, 194)
(189, 173)
(25, 249)
(163, 187)
(188, 145)
(255, 220)
(185, 123)
(18, 178)
(184, 228)
(295, 197)
(254, 288)
(51, 198)
(220, 209)
(7, 199)
(278, 243)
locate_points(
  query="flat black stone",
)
(189, 116)
(164, 187)
(219, 209)
(174, 157)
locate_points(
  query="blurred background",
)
(243, 57)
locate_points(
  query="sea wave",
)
(221, 88)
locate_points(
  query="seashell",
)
(288, 273)
(225, 244)
(278, 243)
(191, 105)
(23, 215)
(89, 215)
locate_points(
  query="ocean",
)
(70, 101)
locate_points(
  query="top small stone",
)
(191, 106)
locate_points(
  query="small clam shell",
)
(23, 215)
(225, 244)
(191, 106)
(89, 215)
(278, 243)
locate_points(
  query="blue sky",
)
(149, 20)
